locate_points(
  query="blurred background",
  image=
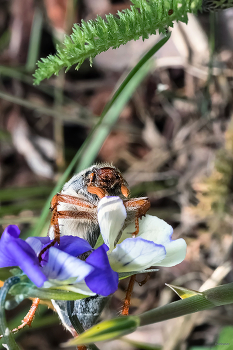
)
(173, 142)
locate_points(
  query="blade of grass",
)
(18, 207)
(7, 194)
(34, 43)
(8, 338)
(40, 224)
(221, 295)
(113, 109)
(18, 220)
(112, 115)
(75, 118)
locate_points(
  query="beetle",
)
(74, 209)
(74, 212)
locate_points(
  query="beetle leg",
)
(125, 310)
(139, 206)
(141, 283)
(65, 198)
(27, 321)
(58, 198)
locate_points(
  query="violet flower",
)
(60, 265)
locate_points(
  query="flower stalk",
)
(8, 338)
(221, 295)
(111, 329)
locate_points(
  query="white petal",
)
(111, 217)
(135, 254)
(152, 229)
(62, 266)
(79, 287)
(176, 251)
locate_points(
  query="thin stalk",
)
(8, 338)
(221, 295)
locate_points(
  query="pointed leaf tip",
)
(182, 292)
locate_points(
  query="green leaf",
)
(112, 116)
(45, 293)
(107, 330)
(27, 289)
(141, 345)
(203, 348)
(5, 273)
(99, 242)
(35, 36)
(182, 292)
(221, 295)
(225, 339)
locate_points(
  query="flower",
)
(152, 246)
(98, 274)
(60, 265)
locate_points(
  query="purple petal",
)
(103, 280)
(8, 256)
(37, 243)
(13, 231)
(62, 266)
(74, 246)
(16, 252)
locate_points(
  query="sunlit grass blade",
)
(7, 194)
(111, 116)
(221, 295)
(45, 293)
(141, 345)
(183, 292)
(113, 109)
(106, 330)
(34, 43)
(225, 337)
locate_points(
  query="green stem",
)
(52, 294)
(221, 295)
(8, 338)
(113, 109)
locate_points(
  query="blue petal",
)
(37, 243)
(62, 266)
(74, 246)
(103, 280)
(16, 252)
(136, 254)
